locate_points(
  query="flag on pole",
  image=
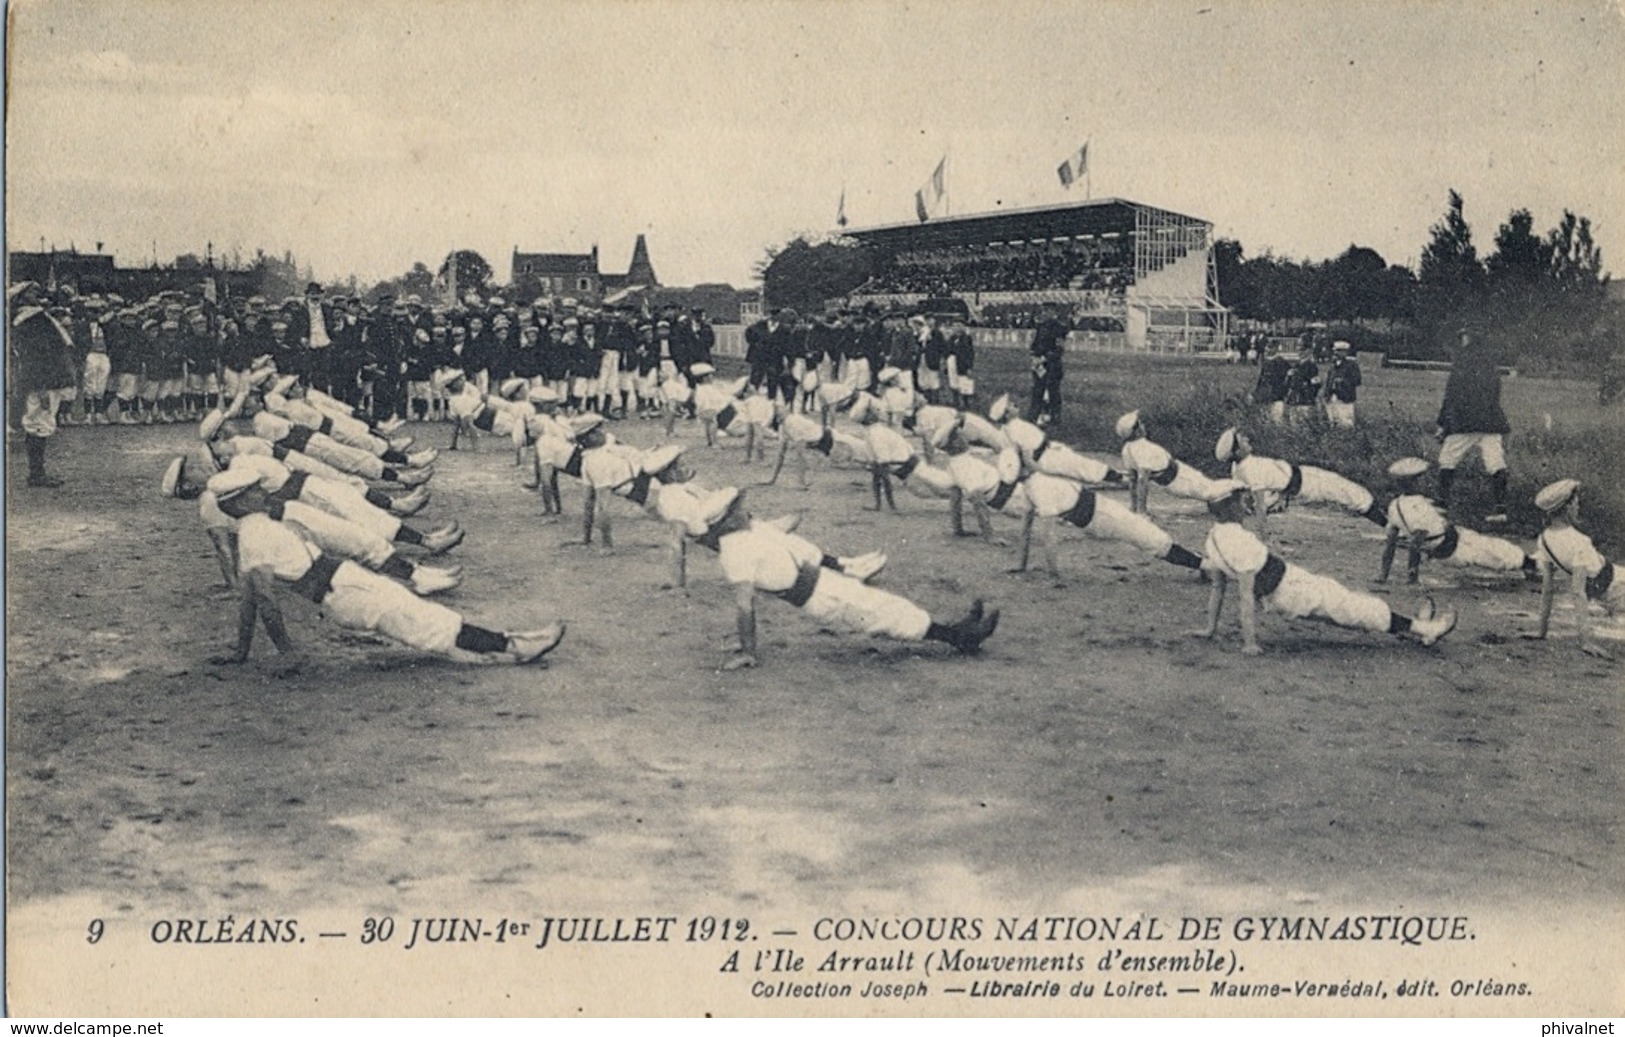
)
(930, 196)
(1075, 167)
(840, 210)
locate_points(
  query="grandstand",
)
(1118, 266)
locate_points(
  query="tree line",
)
(1540, 299)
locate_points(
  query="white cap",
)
(1225, 448)
(1219, 489)
(584, 423)
(172, 477)
(443, 378)
(1125, 425)
(1557, 495)
(1407, 468)
(889, 374)
(283, 384)
(512, 388)
(999, 409)
(209, 427)
(809, 381)
(701, 370)
(833, 394)
(232, 481)
(660, 458)
(542, 394)
(696, 511)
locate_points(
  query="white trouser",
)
(842, 601)
(363, 600)
(1305, 595)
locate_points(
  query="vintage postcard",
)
(771, 509)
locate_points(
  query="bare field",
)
(1092, 747)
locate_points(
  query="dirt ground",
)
(1093, 758)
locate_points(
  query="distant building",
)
(576, 274)
(97, 273)
(86, 271)
(722, 303)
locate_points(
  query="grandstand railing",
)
(731, 341)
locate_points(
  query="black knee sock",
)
(478, 639)
(1398, 624)
(407, 535)
(394, 456)
(1529, 565)
(36, 456)
(938, 632)
(1377, 515)
(390, 475)
(397, 567)
(379, 499)
(1181, 557)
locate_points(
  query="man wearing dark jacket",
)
(1472, 419)
(1047, 349)
(41, 369)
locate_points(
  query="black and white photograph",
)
(815, 509)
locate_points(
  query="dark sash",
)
(298, 437)
(1269, 577)
(1083, 512)
(1167, 475)
(572, 466)
(799, 592)
(486, 418)
(639, 493)
(291, 489)
(1001, 496)
(318, 579)
(1447, 543)
(1294, 483)
(1597, 586)
(906, 469)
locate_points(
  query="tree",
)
(1450, 276)
(473, 272)
(804, 275)
(1355, 285)
(1520, 258)
(1236, 289)
(418, 281)
(1576, 261)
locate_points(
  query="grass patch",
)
(1558, 428)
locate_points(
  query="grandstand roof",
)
(1097, 216)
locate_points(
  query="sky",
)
(366, 136)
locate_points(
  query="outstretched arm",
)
(225, 552)
(1249, 615)
(1215, 605)
(745, 621)
(1548, 591)
(1390, 547)
(1025, 551)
